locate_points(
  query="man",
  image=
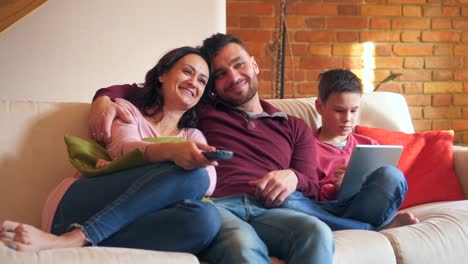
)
(274, 156)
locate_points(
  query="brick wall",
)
(424, 40)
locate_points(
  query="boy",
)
(375, 206)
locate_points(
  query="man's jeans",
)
(156, 207)
(372, 208)
(250, 233)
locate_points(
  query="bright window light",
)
(368, 66)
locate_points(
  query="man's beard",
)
(235, 102)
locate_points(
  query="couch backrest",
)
(379, 109)
(33, 156)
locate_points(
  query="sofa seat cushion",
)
(360, 246)
(440, 237)
(94, 255)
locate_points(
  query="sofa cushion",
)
(426, 161)
(83, 155)
(94, 255)
(440, 237)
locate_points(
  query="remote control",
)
(218, 154)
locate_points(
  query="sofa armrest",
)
(460, 164)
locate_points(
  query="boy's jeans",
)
(372, 208)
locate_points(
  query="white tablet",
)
(364, 160)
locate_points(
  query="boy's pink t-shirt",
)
(125, 138)
(330, 157)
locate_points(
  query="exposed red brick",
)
(442, 75)
(441, 124)
(354, 49)
(413, 88)
(380, 23)
(349, 10)
(411, 23)
(315, 36)
(444, 62)
(418, 100)
(412, 10)
(250, 22)
(413, 63)
(441, 23)
(443, 49)
(461, 75)
(321, 62)
(268, 22)
(440, 36)
(415, 112)
(295, 22)
(248, 8)
(415, 75)
(316, 10)
(323, 50)
(422, 125)
(406, 2)
(352, 63)
(315, 23)
(380, 10)
(441, 112)
(383, 50)
(442, 100)
(442, 87)
(347, 36)
(460, 100)
(348, 22)
(388, 63)
(450, 11)
(432, 11)
(412, 50)
(411, 36)
(380, 36)
(460, 124)
(460, 23)
(460, 50)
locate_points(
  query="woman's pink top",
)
(125, 138)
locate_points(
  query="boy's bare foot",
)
(402, 219)
(23, 237)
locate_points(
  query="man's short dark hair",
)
(216, 42)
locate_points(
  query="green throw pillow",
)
(84, 154)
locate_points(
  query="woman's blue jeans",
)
(372, 208)
(156, 207)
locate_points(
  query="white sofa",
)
(33, 160)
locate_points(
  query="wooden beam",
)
(13, 10)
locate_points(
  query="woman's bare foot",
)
(402, 219)
(23, 237)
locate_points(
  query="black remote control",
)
(218, 154)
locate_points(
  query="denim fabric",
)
(152, 207)
(372, 208)
(250, 233)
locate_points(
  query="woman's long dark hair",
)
(149, 99)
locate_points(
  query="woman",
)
(157, 206)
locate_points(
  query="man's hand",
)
(273, 188)
(103, 112)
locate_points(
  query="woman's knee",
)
(205, 218)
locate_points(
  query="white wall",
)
(67, 49)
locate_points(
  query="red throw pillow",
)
(426, 161)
